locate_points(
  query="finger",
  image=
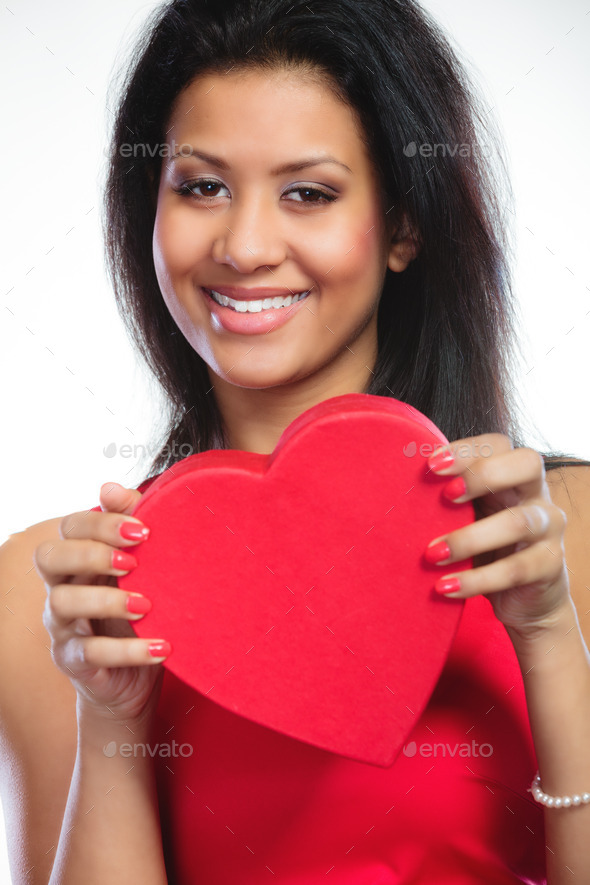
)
(520, 470)
(524, 524)
(82, 655)
(113, 528)
(532, 565)
(115, 497)
(57, 561)
(464, 452)
(68, 602)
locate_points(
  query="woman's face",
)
(253, 210)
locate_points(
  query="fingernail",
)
(133, 531)
(122, 561)
(159, 649)
(438, 552)
(441, 460)
(137, 604)
(447, 585)
(456, 488)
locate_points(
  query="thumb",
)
(116, 498)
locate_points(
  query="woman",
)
(260, 153)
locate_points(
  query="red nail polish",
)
(456, 488)
(447, 585)
(441, 460)
(437, 553)
(137, 605)
(159, 649)
(133, 531)
(123, 561)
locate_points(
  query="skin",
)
(108, 681)
(258, 230)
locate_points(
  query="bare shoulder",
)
(570, 491)
(25, 642)
(22, 593)
(38, 721)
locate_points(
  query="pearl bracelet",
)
(556, 801)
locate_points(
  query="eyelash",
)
(185, 190)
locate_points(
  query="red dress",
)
(241, 804)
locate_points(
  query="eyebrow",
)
(280, 170)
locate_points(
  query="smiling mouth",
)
(256, 306)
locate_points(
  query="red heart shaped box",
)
(292, 586)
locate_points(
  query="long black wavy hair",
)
(447, 324)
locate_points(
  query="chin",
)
(262, 380)
(259, 383)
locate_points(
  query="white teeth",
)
(256, 306)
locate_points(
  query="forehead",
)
(266, 113)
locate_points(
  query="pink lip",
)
(252, 323)
(254, 294)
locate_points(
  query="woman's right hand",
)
(87, 615)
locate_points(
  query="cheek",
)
(175, 244)
(353, 251)
(173, 252)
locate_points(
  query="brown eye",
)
(207, 185)
(315, 194)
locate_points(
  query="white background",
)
(70, 386)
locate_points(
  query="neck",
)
(254, 419)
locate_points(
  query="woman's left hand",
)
(517, 539)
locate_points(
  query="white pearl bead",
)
(556, 801)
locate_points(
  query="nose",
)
(249, 237)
